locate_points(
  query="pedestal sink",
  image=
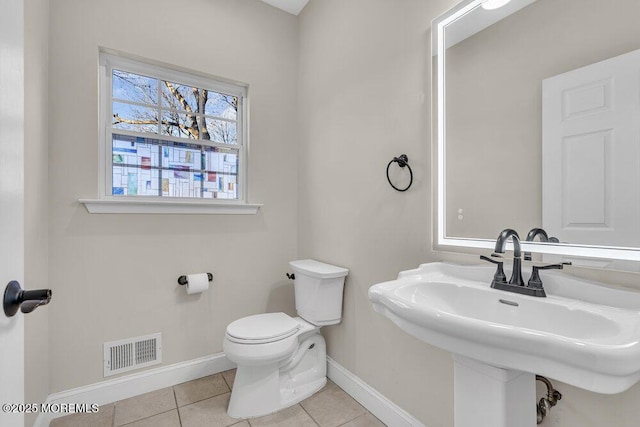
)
(583, 333)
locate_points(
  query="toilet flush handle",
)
(291, 276)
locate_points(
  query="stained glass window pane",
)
(221, 173)
(135, 161)
(177, 155)
(182, 183)
(182, 170)
(135, 151)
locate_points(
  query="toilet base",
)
(265, 389)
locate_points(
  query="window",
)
(170, 136)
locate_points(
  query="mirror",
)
(538, 125)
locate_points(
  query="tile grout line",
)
(361, 416)
(175, 398)
(225, 380)
(355, 418)
(310, 416)
(375, 418)
(231, 391)
(347, 422)
(150, 416)
(201, 400)
(323, 391)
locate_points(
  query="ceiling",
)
(294, 7)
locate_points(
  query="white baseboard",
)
(132, 385)
(127, 386)
(384, 409)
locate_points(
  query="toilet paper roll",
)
(197, 283)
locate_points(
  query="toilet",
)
(281, 359)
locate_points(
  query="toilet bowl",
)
(277, 367)
(281, 360)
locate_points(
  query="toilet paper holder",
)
(182, 280)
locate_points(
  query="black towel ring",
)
(402, 161)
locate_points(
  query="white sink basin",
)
(584, 333)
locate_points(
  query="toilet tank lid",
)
(318, 269)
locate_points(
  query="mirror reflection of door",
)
(591, 153)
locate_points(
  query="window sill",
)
(112, 206)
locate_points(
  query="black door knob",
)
(15, 297)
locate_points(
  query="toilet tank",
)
(318, 291)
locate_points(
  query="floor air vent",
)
(132, 353)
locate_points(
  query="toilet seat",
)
(262, 328)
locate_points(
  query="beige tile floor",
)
(203, 402)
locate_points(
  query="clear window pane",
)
(134, 87)
(134, 118)
(222, 131)
(221, 105)
(180, 125)
(181, 97)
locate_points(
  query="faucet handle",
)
(499, 276)
(492, 261)
(535, 281)
(559, 266)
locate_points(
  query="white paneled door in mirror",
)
(493, 115)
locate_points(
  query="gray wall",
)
(114, 276)
(36, 198)
(364, 98)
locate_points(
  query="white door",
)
(591, 153)
(11, 203)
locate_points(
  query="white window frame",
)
(107, 202)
